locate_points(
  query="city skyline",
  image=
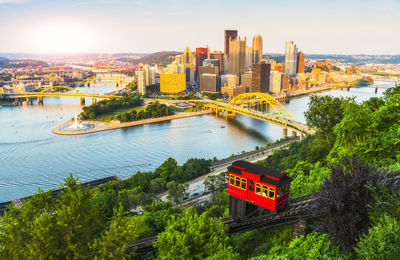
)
(337, 27)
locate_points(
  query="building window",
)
(258, 188)
(265, 191)
(271, 193)
(237, 184)
(231, 179)
(244, 184)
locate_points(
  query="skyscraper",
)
(290, 58)
(237, 56)
(229, 35)
(188, 65)
(300, 62)
(201, 55)
(141, 81)
(260, 77)
(249, 58)
(257, 48)
(218, 55)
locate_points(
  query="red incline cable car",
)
(255, 189)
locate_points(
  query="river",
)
(32, 156)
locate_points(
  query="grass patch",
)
(110, 116)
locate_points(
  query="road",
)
(197, 185)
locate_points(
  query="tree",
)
(343, 203)
(158, 214)
(121, 231)
(216, 183)
(312, 246)
(192, 237)
(176, 191)
(324, 112)
(382, 241)
(48, 228)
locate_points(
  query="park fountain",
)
(77, 126)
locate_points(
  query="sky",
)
(145, 26)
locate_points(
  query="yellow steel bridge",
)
(75, 93)
(260, 106)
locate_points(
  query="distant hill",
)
(23, 63)
(3, 61)
(161, 58)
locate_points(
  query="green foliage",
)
(307, 178)
(313, 246)
(48, 228)
(371, 132)
(192, 237)
(218, 207)
(158, 214)
(382, 241)
(132, 86)
(261, 241)
(214, 96)
(152, 111)
(138, 190)
(225, 254)
(324, 112)
(284, 159)
(176, 191)
(121, 231)
(216, 183)
(108, 106)
(386, 202)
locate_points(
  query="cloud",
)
(12, 1)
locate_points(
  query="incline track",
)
(295, 210)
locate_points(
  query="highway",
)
(197, 185)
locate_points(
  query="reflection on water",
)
(31, 156)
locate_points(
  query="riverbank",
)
(102, 126)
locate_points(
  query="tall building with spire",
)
(300, 62)
(257, 48)
(188, 65)
(229, 36)
(290, 58)
(237, 56)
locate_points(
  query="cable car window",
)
(237, 184)
(251, 181)
(244, 184)
(271, 193)
(232, 179)
(258, 189)
(265, 191)
(251, 187)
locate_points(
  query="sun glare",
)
(62, 38)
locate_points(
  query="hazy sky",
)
(336, 26)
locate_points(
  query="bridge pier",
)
(285, 132)
(40, 100)
(294, 134)
(301, 136)
(229, 114)
(94, 100)
(82, 101)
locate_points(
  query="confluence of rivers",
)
(31, 156)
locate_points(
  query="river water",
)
(32, 156)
